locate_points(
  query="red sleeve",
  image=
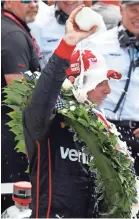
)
(64, 50)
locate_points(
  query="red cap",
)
(88, 58)
(75, 63)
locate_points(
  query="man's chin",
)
(30, 19)
(134, 31)
(100, 102)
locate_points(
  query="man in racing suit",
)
(59, 179)
(62, 184)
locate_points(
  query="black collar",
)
(127, 38)
(18, 19)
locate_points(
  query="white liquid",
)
(15, 212)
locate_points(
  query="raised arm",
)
(39, 113)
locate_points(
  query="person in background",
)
(120, 48)
(48, 31)
(110, 11)
(18, 54)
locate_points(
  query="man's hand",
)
(136, 133)
(73, 34)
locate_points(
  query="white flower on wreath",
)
(67, 84)
(72, 108)
(122, 147)
(113, 129)
(71, 103)
(64, 111)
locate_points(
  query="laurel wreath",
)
(115, 182)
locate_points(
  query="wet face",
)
(100, 93)
(130, 17)
(68, 6)
(25, 11)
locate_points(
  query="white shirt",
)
(118, 59)
(48, 32)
